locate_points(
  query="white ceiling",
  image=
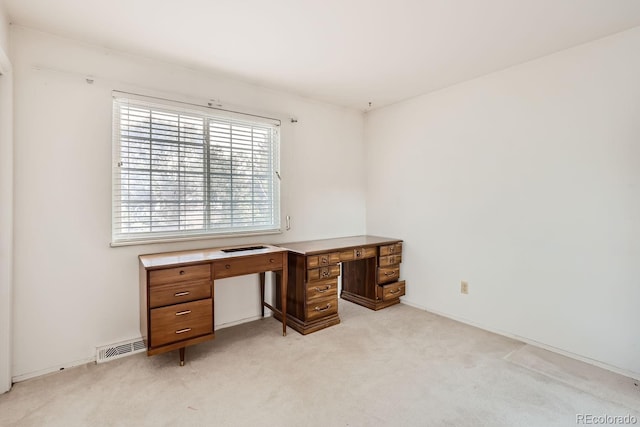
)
(347, 52)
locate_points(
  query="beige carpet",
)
(585, 377)
(396, 367)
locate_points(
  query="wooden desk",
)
(370, 269)
(177, 292)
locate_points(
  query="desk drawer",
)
(358, 253)
(392, 290)
(181, 321)
(395, 249)
(247, 265)
(315, 261)
(387, 274)
(323, 273)
(175, 293)
(388, 260)
(180, 274)
(322, 307)
(321, 289)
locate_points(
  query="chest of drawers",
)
(389, 287)
(312, 298)
(177, 307)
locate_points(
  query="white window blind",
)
(181, 172)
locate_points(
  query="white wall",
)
(4, 29)
(526, 183)
(6, 203)
(72, 291)
(523, 182)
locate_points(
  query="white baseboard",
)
(603, 365)
(241, 321)
(41, 372)
(50, 370)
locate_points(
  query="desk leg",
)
(283, 290)
(262, 280)
(182, 356)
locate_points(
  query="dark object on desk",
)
(247, 248)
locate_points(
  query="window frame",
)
(208, 114)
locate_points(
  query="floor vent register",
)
(116, 351)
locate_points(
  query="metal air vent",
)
(118, 350)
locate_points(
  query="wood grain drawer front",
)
(358, 253)
(388, 260)
(395, 249)
(322, 307)
(388, 274)
(180, 274)
(322, 260)
(181, 321)
(175, 293)
(323, 273)
(248, 265)
(321, 289)
(393, 290)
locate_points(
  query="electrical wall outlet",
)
(464, 287)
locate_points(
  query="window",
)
(188, 172)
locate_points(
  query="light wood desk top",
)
(180, 258)
(312, 247)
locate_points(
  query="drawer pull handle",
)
(390, 273)
(181, 294)
(358, 253)
(271, 260)
(323, 290)
(325, 273)
(227, 266)
(182, 272)
(182, 331)
(396, 291)
(327, 307)
(182, 313)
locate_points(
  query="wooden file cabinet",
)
(389, 289)
(370, 269)
(177, 307)
(312, 298)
